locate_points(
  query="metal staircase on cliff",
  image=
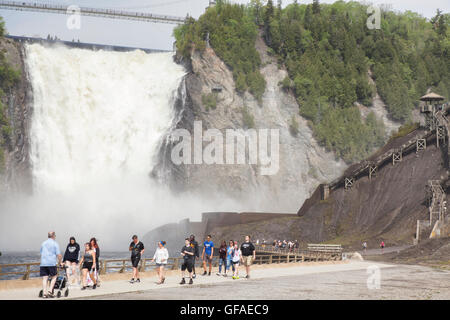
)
(437, 212)
(437, 121)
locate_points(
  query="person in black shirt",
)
(222, 258)
(137, 249)
(194, 244)
(248, 254)
(71, 257)
(188, 253)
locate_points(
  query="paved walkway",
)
(398, 282)
(115, 288)
(378, 251)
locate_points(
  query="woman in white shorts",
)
(161, 256)
(235, 259)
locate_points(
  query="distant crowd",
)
(230, 256)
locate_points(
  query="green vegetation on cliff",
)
(8, 78)
(330, 53)
(232, 33)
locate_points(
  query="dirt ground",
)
(398, 282)
(431, 252)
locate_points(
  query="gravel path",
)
(397, 282)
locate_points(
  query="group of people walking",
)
(290, 245)
(51, 257)
(230, 257)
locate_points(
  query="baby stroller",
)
(60, 284)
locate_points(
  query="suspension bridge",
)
(95, 12)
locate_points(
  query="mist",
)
(97, 123)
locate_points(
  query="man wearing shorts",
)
(248, 254)
(49, 252)
(137, 249)
(207, 254)
(194, 244)
(188, 253)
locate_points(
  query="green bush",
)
(209, 101)
(247, 118)
(404, 130)
(293, 126)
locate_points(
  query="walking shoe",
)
(237, 277)
(138, 280)
(225, 275)
(247, 276)
(218, 274)
(94, 286)
(194, 276)
(204, 273)
(190, 281)
(183, 281)
(132, 280)
(209, 273)
(234, 277)
(84, 288)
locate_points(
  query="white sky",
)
(144, 34)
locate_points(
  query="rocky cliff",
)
(17, 174)
(385, 207)
(303, 163)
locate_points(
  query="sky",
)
(145, 34)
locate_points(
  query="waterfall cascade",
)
(98, 118)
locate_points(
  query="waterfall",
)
(98, 120)
(98, 116)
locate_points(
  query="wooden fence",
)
(124, 265)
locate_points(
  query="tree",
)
(308, 17)
(268, 15)
(316, 7)
(279, 9)
(442, 26)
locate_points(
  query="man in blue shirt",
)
(49, 252)
(207, 254)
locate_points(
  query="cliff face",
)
(386, 207)
(303, 164)
(17, 176)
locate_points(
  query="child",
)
(236, 258)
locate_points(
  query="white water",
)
(97, 120)
(98, 116)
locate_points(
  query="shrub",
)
(293, 126)
(247, 118)
(209, 101)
